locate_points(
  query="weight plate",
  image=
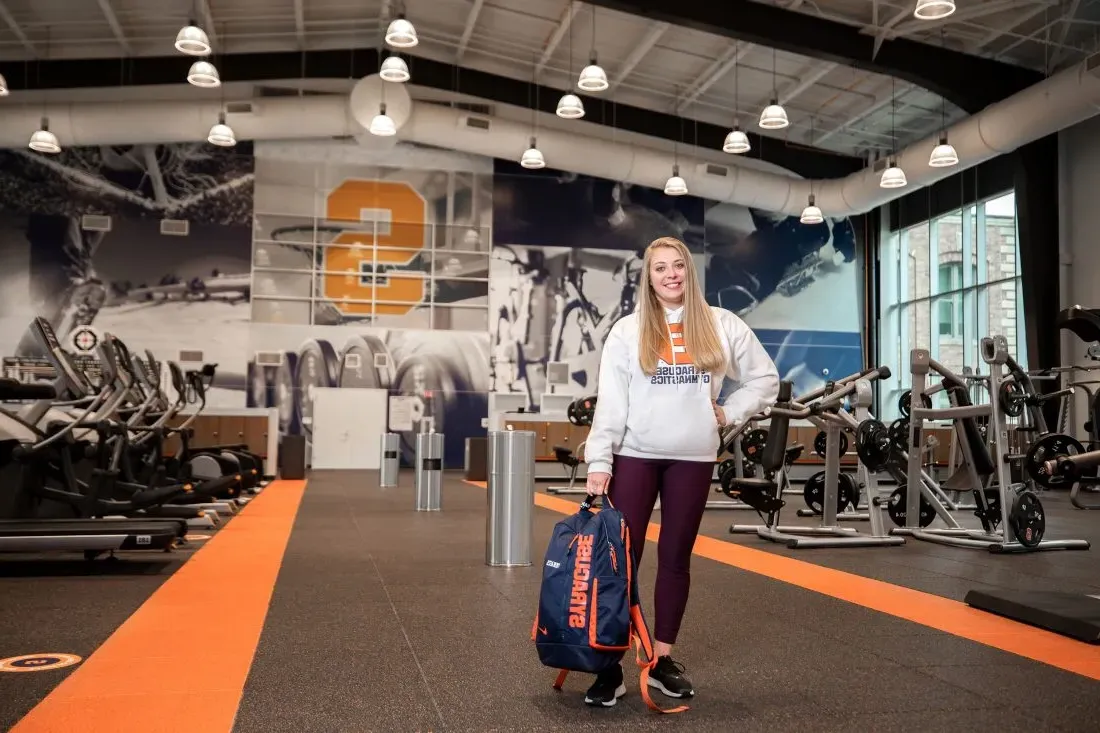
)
(727, 465)
(1028, 519)
(284, 394)
(896, 508)
(992, 513)
(1049, 448)
(1012, 398)
(752, 445)
(906, 399)
(813, 491)
(822, 438)
(318, 367)
(849, 492)
(899, 434)
(873, 444)
(360, 369)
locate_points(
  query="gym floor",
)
(334, 606)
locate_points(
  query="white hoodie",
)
(669, 415)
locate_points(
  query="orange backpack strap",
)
(639, 634)
(561, 679)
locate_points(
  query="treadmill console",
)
(47, 339)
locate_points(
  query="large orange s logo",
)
(361, 269)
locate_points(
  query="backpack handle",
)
(590, 499)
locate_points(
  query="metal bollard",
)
(509, 521)
(389, 466)
(429, 471)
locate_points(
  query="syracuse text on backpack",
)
(589, 610)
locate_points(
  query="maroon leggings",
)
(684, 487)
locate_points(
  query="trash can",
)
(389, 466)
(429, 471)
(511, 498)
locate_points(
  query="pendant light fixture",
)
(44, 141)
(4, 91)
(203, 74)
(532, 157)
(192, 40)
(401, 33)
(893, 176)
(222, 134)
(394, 69)
(736, 142)
(774, 117)
(570, 106)
(944, 154)
(382, 124)
(593, 78)
(811, 214)
(675, 185)
(933, 9)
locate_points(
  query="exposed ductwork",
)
(1059, 102)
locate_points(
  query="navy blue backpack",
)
(589, 609)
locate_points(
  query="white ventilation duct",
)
(1054, 104)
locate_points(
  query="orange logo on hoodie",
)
(676, 347)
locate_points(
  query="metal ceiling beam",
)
(555, 37)
(344, 63)
(641, 48)
(471, 21)
(971, 82)
(116, 28)
(17, 30)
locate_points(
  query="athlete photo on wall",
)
(148, 242)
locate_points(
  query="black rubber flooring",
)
(58, 604)
(386, 619)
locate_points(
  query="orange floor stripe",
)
(937, 612)
(180, 662)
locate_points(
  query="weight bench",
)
(567, 458)
(1071, 614)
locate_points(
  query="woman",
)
(656, 431)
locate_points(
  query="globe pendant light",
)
(774, 117)
(44, 141)
(382, 124)
(221, 134)
(3, 86)
(593, 78)
(811, 214)
(394, 69)
(943, 155)
(675, 185)
(933, 9)
(192, 40)
(532, 157)
(893, 176)
(401, 33)
(203, 74)
(737, 142)
(570, 107)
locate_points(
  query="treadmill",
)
(90, 536)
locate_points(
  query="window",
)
(949, 310)
(945, 284)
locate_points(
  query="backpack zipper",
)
(614, 558)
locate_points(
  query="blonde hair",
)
(700, 332)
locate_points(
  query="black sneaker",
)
(668, 677)
(607, 689)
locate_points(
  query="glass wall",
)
(945, 284)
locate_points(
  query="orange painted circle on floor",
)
(194, 537)
(38, 662)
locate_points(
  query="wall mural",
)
(436, 275)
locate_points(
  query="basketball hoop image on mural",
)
(370, 271)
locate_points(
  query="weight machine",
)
(834, 420)
(1012, 516)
